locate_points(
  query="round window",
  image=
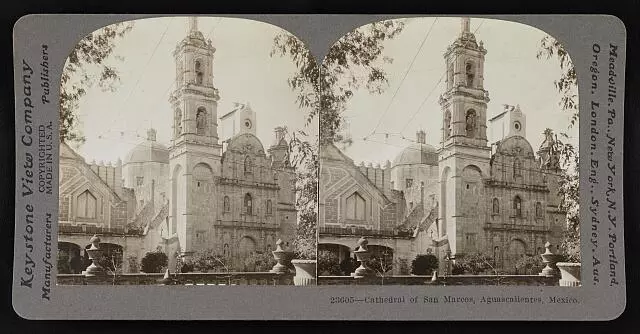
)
(247, 124)
(516, 125)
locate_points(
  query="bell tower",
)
(464, 154)
(195, 154)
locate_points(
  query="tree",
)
(86, 59)
(353, 61)
(567, 86)
(154, 262)
(568, 82)
(424, 264)
(328, 263)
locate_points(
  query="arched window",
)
(471, 123)
(496, 206)
(248, 204)
(87, 205)
(517, 168)
(538, 210)
(470, 73)
(450, 75)
(269, 207)
(356, 207)
(517, 206)
(201, 121)
(199, 72)
(226, 204)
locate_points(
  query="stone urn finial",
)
(94, 253)
(550, 259)
(363, 255)
(282, 257)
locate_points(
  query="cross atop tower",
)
(193, 24)
(465, 25)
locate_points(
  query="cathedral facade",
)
(233, 196)
(468, 194)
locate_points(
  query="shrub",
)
(475, 263)
(328, 263)
(424, 264)
(348, 265)
(154, 262)
(259, 262)
(208, 260)
(529, 265)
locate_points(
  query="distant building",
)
(460, 198)
(194, 195)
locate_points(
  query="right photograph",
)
(448, 156)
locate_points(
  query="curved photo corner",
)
(449, 153)
(185, 157)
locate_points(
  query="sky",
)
(114, 122)
(512, 75)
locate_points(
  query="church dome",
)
(148, 151)
(417, 153)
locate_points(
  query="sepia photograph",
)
(449, 156)
(186, 157)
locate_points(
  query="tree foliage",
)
(328, 263)
(424, 264)
(568, 82)
(567, 86)
(353, 62)
(86, 66)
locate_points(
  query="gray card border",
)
(594, 301)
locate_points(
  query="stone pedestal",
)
(569, 273)
(305, 272)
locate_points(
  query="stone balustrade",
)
(95, 274)
(550, 275)
(218, 278)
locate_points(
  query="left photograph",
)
(186, 157)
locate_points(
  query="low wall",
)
(230, 278)
(526, 280)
